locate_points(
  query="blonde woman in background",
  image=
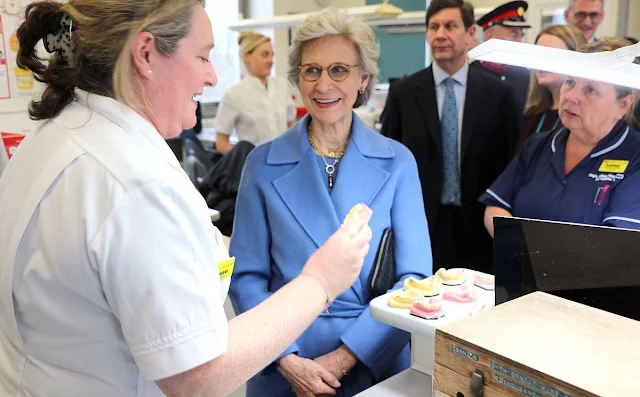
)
(260, 106)
(541, 109)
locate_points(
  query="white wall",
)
(633, 23)
(16, 123)
(259, 9)
(224, 55)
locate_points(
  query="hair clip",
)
(60, 41)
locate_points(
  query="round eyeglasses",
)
(336, 71)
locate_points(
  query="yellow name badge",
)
(616, 166)
(226, 267)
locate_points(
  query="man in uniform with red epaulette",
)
(507, 22)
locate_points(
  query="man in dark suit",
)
(506, 22)
(461, 126)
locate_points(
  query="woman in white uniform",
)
(109, 278)
(260, 106)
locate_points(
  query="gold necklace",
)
(335, 153)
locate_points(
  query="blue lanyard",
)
(544, 116)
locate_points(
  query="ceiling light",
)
(366, 13)
(614, 67)
(386, 10)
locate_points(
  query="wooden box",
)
(539, 345)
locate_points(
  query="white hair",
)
(333, 22)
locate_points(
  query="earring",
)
(149, 71)
(361, 91)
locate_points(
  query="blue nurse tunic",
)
(603, 189)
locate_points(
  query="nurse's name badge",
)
(226, 267)
(615, 166)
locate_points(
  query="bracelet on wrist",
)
(344, 373)
(328, 301)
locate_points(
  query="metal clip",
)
(477, 384)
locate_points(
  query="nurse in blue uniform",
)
(587, 172)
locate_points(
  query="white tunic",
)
(108, 260)
(257, 113)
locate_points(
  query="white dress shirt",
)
(459, 90)
(257, 113)
(108, 260)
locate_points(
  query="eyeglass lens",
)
(336, 71)
(594, 16)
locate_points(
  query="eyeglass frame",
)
(322, 69)
(594, 16)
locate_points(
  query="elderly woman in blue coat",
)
(296, 189)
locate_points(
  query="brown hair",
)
(611, 44)
(540, 99)
(101, 58)
(466, 10)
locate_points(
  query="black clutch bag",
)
(383, 272)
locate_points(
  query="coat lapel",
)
(358, 180)
(428, 104)
(302, 188)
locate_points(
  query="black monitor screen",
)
(593, 265)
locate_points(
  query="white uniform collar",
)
(128, 119)
(256, 81)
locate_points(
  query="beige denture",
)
(430, 286)
(404, 299)
(485, 281)
(355, 210)
(432, 304)
(452, 276)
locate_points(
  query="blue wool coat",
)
(284, 212)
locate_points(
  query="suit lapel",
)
(472, 105)
(428, 104)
